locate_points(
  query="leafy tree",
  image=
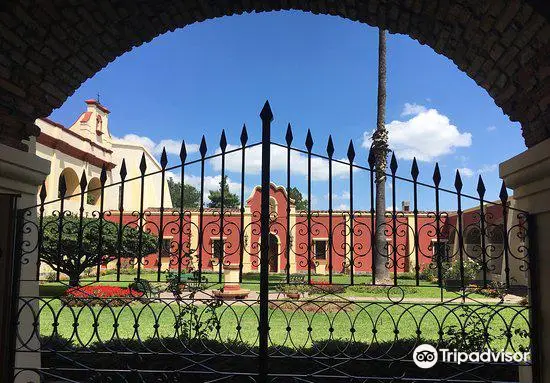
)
(299, 200)
(231, 200)
(78, 250)
(191, 196)
(380, 151)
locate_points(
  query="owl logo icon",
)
(425, 356)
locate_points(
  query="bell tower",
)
(93, 124)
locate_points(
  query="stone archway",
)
(49, 49)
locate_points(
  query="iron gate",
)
(266, 289)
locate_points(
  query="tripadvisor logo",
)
(426, 356)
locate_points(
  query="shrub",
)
(429, 272)
(381, 290)
(407, 275)
(451, 270)
(99, 295)
(471, 335)
(126, 270)
(193, 321)
(197, 322)
(292, 288)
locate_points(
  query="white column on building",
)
(528, 175)
(21, 173)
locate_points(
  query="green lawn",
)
(295, 327)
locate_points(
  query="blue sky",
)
(319, 73)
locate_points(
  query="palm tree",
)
(379, 149)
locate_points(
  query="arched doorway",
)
(273, 253)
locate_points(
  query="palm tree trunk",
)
(380, 147)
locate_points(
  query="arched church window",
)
(94, 191)
(72, 184)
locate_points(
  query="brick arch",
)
(50, 48)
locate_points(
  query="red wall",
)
(401, 253)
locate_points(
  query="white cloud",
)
(298, 163)
(172, 146)
(488, 168)
(412, 109)
(468, 172)
(342, 206)
(426, 136)
(491, 128)
(314, 202)
(146, 142)
(345, 196)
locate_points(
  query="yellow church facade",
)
(85, 147)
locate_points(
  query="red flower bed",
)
(99, 295)
(327, 287)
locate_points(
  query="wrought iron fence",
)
(264, 291)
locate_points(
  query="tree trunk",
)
(380, 147)
(74, 279)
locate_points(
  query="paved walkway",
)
(254, 297)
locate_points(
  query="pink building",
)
(235, 238)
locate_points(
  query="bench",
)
(144, 286)
(186, 281)
(294, 279)
(186, 276)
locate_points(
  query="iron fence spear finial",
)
(163, 159)
(414, 170)
(330, 147)
(244, 135)
(458, 181)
